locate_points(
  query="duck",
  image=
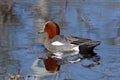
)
(64, 45)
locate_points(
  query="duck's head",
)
(51, 65)
(52, 29)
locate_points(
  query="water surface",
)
(97, 20)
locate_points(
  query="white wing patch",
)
(57, 43)
(76, 48)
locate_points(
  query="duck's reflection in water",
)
(91, 59)
(83, 55)
(49, 67)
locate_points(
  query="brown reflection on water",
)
(6, 11)
(5, 15)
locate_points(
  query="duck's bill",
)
(41, 31)
(42, 36)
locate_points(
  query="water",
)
(97, 20)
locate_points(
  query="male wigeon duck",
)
(64, 44)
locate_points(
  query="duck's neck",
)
(47, 42)
(51, 35)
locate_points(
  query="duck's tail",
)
(89, 46)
